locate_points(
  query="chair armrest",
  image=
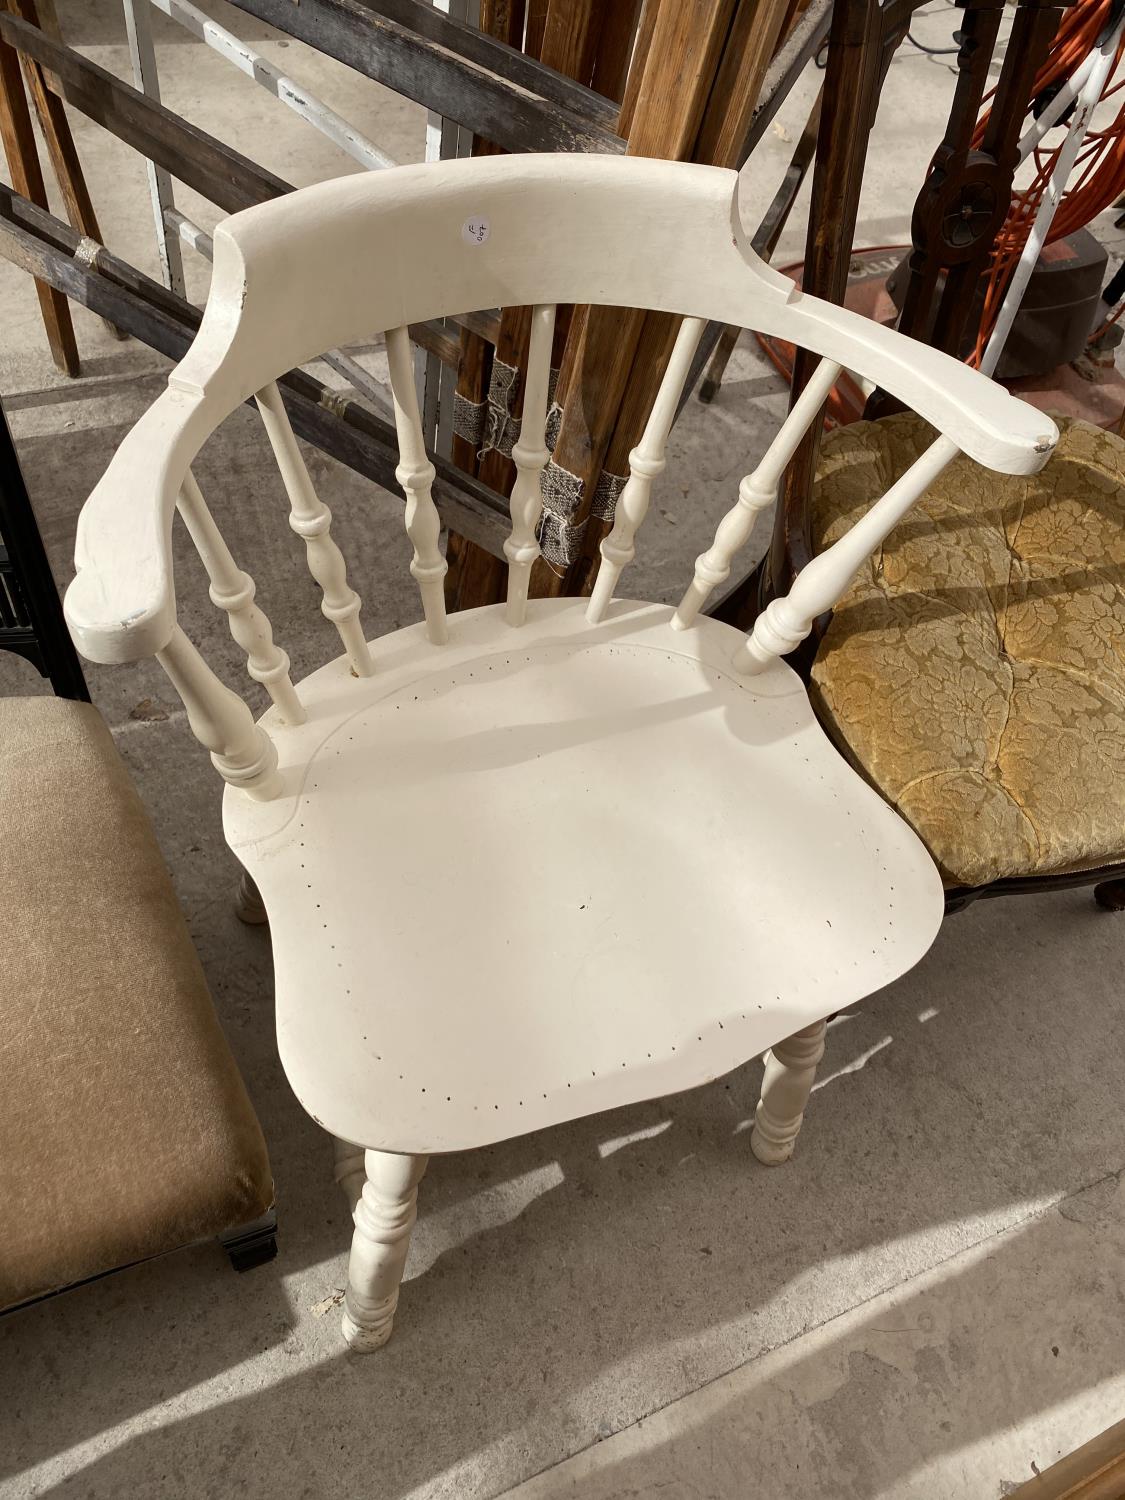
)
(121, 604)
(984, 420)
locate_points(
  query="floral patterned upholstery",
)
(975, 670)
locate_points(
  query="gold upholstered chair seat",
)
(975, 670)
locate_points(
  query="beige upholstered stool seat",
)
(975, 670)
(125, 1129)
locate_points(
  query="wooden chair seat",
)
(586, 813)
(975, 669)
(540, 859)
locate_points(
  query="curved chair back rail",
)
(546, 229)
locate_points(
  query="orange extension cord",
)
(1097, 182)
(1098, 178)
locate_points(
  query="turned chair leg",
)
(248, 904)
(790, 1070)
(384, 1217)
(350, 1171)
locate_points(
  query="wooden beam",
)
(221, 174)
(43, 245)
(1096, 1471)
(788, 63)
(717, 343)
(18, 139)
(470, 77)
(499, 54)
(229, 180)
(59, 139)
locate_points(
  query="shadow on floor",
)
(564, 1284)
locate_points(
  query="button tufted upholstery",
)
(975, 670)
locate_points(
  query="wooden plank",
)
(18, 139)
(142, 55)
(571, 39)
(404, 58)
(221, 174)
(43, 245)
(61, 149)
(536, 26)
(615, 49)
(636, 354)
(753, 39)
(498, 54)
(788, 63)
(641, 46)
(717, 343)
(1096, 1471)
(228, 179)
(59, 140)
(436, 339)
(790, 60)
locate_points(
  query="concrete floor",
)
(927, 1302)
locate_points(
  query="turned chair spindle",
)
(756, 492)
(241, 751)
(530, 458)
(232, 590)
(415, 473)
(311, 519)
(785, 622)
(646, 461)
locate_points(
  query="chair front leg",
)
(384, 1217)
(788, 1081)
(350, 1170)
(248, 904)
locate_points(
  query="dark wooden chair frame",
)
(31, 618)
(32, 626)
(964, 187)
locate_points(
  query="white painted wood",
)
(790, 1070)
(530, 455)
(311, 519)
(142, 55)
(646, 463)
(294, 95)
(665, 240)
(363, 381)
(785, 622)
(456, 786)
(415, 473)
(574, 228)
(189, 232)
(248, 904)
(232, 590)
(384, 1217)
(241, 751)
(756, 492)
(349, 1170)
